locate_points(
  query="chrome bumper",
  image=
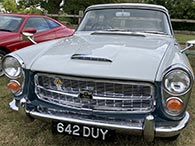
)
(149, 129)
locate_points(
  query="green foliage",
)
(29, 7)
(10, 5)
(28, 3)
(52, 6)
(181, 9)
(74, 6)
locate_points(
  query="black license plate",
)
(83, 131)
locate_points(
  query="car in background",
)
(121, 71)
(43, 27)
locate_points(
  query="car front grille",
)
(95, 94)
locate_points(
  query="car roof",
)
(22, 15)
(128, 5)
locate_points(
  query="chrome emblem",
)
(86, 95)
(58, 84)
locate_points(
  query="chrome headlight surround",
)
(177, 83)
(13, 68)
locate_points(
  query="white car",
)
(121, 71)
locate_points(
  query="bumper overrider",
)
(147, 127)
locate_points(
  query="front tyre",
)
(2, 54)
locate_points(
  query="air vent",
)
(90, 57)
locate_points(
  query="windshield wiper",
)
(5, 30)
(122, 30)
(156, 32)
(119, 32)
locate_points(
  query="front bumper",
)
(146, 127)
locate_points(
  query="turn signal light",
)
(14, 86)
(174, 104)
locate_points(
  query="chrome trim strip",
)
(94, 97)
(97, 80)
(58, 92)
(159, 130)
(86, 122)
(100, 110)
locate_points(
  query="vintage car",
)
(121, 71)
(12, 26)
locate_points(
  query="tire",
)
(2, 54)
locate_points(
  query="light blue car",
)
(121, 71)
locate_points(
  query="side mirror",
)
(189, 44)
(28, 34)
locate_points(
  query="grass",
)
(14, 131)
(184, 37)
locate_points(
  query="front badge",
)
(58, 82)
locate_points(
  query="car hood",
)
(105, 56)
(6, 35)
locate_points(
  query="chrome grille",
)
(107, 95)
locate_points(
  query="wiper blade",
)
(156, 32)
(122, 30)
(129, 33)
(5, 30)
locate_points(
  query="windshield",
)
(134, 20)
(10, 23)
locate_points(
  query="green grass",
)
(184, 37)
(14, 131)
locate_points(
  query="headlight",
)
(12, 67)
(177, 82)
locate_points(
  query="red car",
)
(43, 27)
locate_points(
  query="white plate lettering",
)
(84, 131)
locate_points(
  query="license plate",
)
(83, 131)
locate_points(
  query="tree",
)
(183, 9)
(74, 6)
(10, 5)
(52, 6)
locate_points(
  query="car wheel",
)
(2, 54)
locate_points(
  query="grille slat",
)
(106, 95)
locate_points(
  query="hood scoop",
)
(90, 57)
